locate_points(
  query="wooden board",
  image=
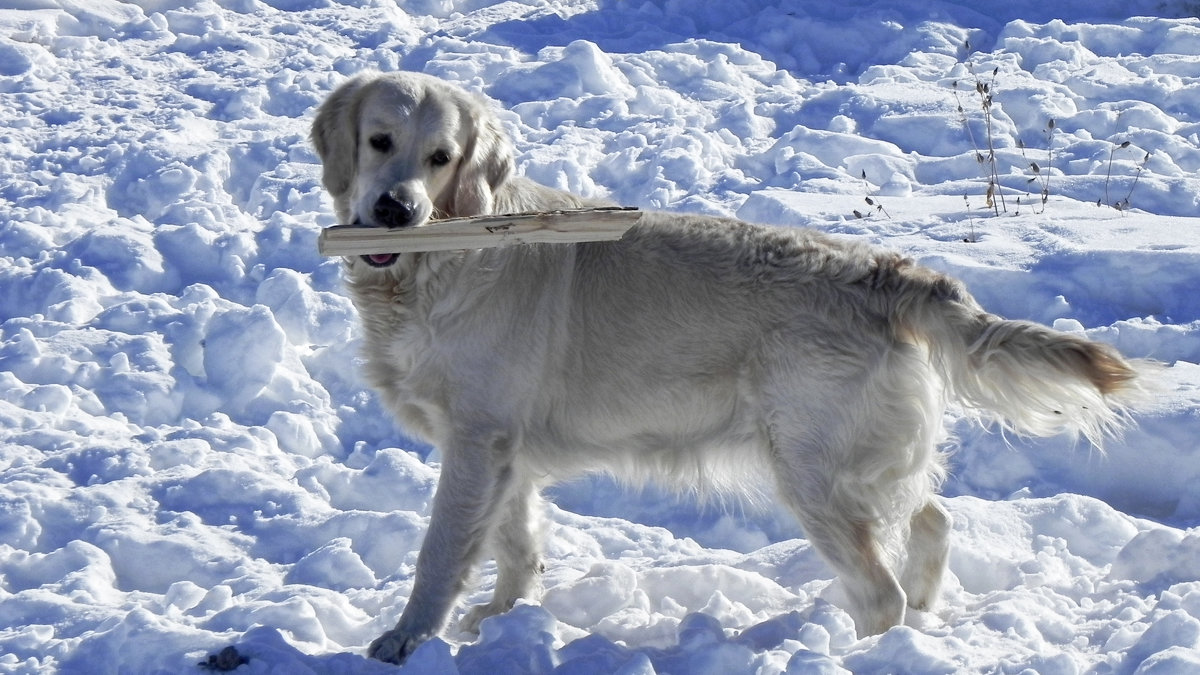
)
(552, 227)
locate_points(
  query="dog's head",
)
(400, 148)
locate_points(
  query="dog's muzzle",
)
(390, 212)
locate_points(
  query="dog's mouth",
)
(377, 260)
(381, 259)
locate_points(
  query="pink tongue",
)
(381, 257)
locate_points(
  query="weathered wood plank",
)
(552, 227)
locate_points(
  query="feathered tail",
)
(1025, 376)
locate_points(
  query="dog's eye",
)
(439, 158)
(381, 142)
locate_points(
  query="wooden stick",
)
(554, 227)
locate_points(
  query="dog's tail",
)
(1025, 376)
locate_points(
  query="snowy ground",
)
(189, 458)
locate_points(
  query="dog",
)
(695, 350)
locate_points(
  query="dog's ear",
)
(487, 163)
(335, 135)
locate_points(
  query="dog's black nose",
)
(393, 212)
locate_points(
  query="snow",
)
(189, 458)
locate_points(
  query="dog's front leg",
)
(516, 540)
(475, 480)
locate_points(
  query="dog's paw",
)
(470, 621)
(395, 646)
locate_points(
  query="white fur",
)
(697, 350)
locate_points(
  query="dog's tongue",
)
(381, 258)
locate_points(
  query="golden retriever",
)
(697, 350)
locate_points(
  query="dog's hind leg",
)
(854, 551)
(928, 549)
(848, 539)
(517, 544)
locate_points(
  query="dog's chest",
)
(395, 328)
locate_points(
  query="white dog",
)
(695, 350)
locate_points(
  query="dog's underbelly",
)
(681, 435)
